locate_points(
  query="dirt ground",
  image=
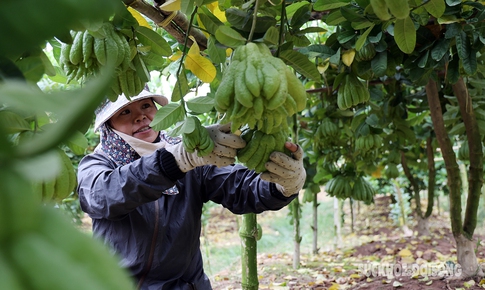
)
(377, 255)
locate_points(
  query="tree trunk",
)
(423, 227)
(296, 228)
(431, 176)
(475, 176)
(400, 200)
(454, 179)
(462, 233)
(414, 184)
(315, 225)
(352, 217)
(467, 258)
(249, 264)
(337, 224)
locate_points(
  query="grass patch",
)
(221, 248)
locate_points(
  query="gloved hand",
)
(223, 154)
(286, 172)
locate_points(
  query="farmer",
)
(145, 193)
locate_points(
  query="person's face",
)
(135, 118)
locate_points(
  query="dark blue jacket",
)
(157, 235)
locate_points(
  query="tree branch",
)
(177, 27)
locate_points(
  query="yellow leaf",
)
(200, 66)
(228, 51)
(171, 5)
(141, 20)
(469, 284)
(175, 56)
(202, 26)
(214, 8)
(355, 276)
(334, 286)
(322, 67)
(405, 253)
(348, 57)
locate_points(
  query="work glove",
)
(286, 172)
(223, 154)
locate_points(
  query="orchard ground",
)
(376, 255)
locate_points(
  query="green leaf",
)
(13, 122)
(167, 116)
(352, 15)
(73, 109)
(322, 5)
(453, 30)
(38, 23)
(318, 50)
(40, 167)
(217, 54)
(181, 87)
(298, 40)
(362, 24)
(272, 36)
(418, 119)
(379, 64)
(335, 59)
(155, 41)
(78, 143)
(361, 41)
(435, 7)
(311, 30)
(423, 60)
(229, 37)
(153, 61)
(209, 23)
(453, 72)
(453, 2)
(141, 69)
(357, 121)
(398, 8)
(48, 67)
(346, 36)
(373, 121)
(440, 48)
(177, 130)
(300, 17)
(379, 7)
(32, 68)
(405, 34)
(466, 53)
(293, 7)
(458, 129)
(335, 18)
(189, 125)
(200, 105)
(301, 64)
(187, 7)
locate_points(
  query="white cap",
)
(108, 109)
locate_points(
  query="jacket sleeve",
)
(241, 190)
(108, 191)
